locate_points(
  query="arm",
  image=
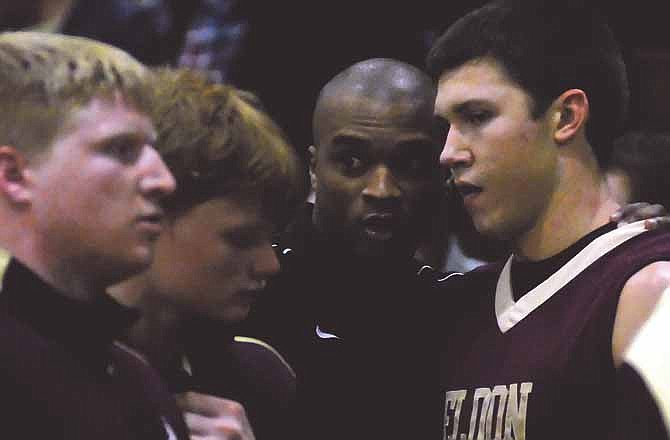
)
(643, 381)
(638, 298)
(268, 396)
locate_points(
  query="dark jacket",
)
(358, 333)
(238, 368)
(63, 377)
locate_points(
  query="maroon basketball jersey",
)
(541, 367)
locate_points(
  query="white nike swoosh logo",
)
(324, 335)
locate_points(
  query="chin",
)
(233, 314)
(369, 251)
(374, 252)
(120, 268)
(381, 249)
(495, 235)
(142, 255)
(489, 229)
(483, 228)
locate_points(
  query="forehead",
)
(104, 117)
(481, 80)
(228, 212)
(377, 118)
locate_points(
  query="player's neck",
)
(580, 204)
(156, 333)
(62, 274)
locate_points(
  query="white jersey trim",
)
(509, 313)
(649, 355)
(268, 347)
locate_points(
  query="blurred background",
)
(286, 50)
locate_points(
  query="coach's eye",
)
(350, 164)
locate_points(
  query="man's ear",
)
(13, 175)
(572, 112)
(312, 167)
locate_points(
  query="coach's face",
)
(375, 169)
(503, 160)
(97, 188)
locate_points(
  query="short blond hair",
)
(217, 141)
(44, 77)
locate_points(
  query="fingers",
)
(206, 405)
(657, 223)
(640, 211)
(211, 417)
(222, 427)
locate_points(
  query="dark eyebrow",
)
(128, 137)
(253, 228)
(468, 106)
(254, 231)
(349, 141)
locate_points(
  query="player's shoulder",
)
(649, 282)
(654, 273)
(639, 296)
(257, 354)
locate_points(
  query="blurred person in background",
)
(638, 169)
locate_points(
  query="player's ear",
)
(571, 113)
(312, 167)
(14, 176)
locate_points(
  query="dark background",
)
(294, 48)
(291, 48)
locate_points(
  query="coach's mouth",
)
(380, 225)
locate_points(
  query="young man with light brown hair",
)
(238, 182)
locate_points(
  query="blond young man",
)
(80, 186)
